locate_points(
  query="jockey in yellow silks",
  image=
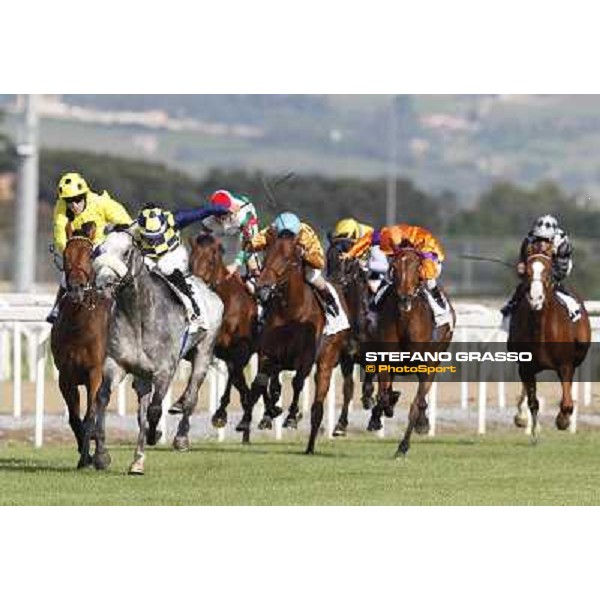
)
(313, 257)
(388, 239)
(78, 204)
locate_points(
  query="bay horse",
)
(237, 339)
(541, 325)
(351, 279)
(78, 336)
(148, 335)
(405, 321)
(293, 335)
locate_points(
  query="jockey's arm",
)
(360, 246)
(313, 251)
(259, 241)
(60, 226)
(114, 212)
(186, 217)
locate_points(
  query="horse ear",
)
(69, 230)
(89, 229)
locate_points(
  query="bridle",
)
(89, 287)
(130, 274)
(278, 288)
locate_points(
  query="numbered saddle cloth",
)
(338, 323)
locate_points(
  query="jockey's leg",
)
(62, 289)
(177, 278)
(316, 279)
(510, 306)
(173, 265)
(430, 271)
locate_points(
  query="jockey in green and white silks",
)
(239, 219)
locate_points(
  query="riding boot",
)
(52, 316)
(328, 298)
(177, 278)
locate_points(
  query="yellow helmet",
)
(347, 228)
(72, 185)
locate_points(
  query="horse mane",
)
(207, 239)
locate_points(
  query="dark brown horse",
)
(541, 325)
(405, 323)
(237, 339)
(292, 338)
(351, 278)
(78, 337)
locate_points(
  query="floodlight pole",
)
(391, 208)
(26, 212)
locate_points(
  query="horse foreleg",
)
(347, 367)
(219, 418)
(384, 383)
(325, 364)
(417, 416)
(367, 391)
(71, 395)
(294, 414)
(563, 419)
(143, 389)
(521, 416)
(101, 459)
(161, 385)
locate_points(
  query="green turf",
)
(451, 469)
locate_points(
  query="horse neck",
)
(298, 295)
(138, 298)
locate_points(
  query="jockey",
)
(372, 259)
(239, 218)
(158, 232)
(76, 205)
(389, 238)
(314, 258)
(546, 229)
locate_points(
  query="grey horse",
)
(147, 338)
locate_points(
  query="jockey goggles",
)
(76, 199)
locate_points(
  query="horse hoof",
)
(219, 420)
(102, 461)
(136, 468)
(181, 443)
(266, 423)
(367, 402)
(152, 438)
(339, 431)
(520, 421)
(388, 411)
(275, 411)
(402, 449)
(309, 451)
(177, 408)
(563, 421)
(84, 462)
(422, 426)
(374, 424)
(395, 396)
(291, 422)
(243, 426)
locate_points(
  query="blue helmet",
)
(287, 221)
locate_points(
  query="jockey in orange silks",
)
(388, 239)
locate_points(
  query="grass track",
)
(451, 469)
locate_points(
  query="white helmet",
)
(545, 227)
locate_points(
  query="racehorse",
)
(78, 336)
(541, 325)
(352, 280)
(405, 321)
(237, 337)
(148, 335)
(293, 336)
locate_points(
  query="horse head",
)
(538, 274)
(116, 261)
(404, 274)
(338, 270)
(206, 258)
(283, 258)
(77, 260)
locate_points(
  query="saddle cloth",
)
(339, 323)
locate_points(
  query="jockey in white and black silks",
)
(546, 229)
(158, 233)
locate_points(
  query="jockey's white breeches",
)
(176, 259)
(378, 261)
(432, 283)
